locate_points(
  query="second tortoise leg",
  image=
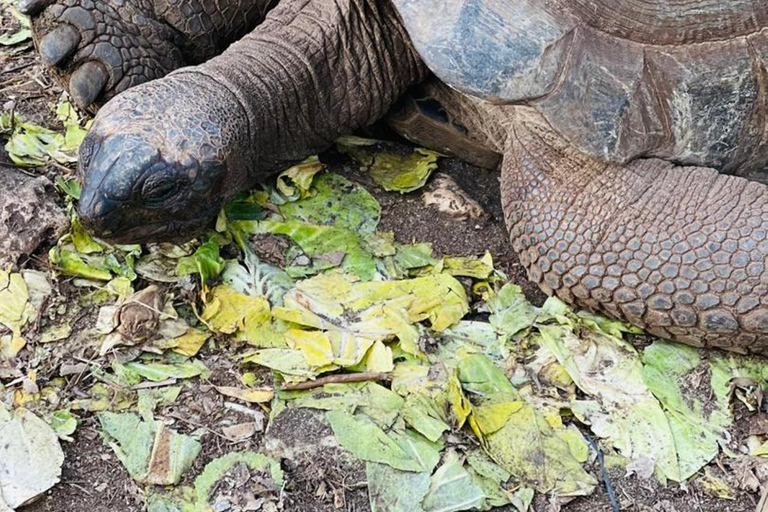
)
(99, 48)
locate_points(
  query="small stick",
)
(336, 379)
(148, 385)
(604, 475)
(762, 505)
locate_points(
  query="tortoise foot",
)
(98, 49)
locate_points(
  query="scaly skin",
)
(681, 251)
(313, 70)
(98, 49)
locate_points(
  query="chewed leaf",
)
(394, 172)
(329, 246)
(376, 310)
(697, 409)
(541, 452)
(336, 202)
(294, 183)
(622, 409)
(268, 470)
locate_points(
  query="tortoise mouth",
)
(160, 231)
(116, 222)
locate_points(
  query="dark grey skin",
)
(679, 250)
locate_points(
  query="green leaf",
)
(394, 490)
(64, 423)
(206, 261)
(243, 207)
(328, 246)
(375, 311)
(157, 372)
(70, 187)
(22, 35)
(217, 469)
(469, 267)
(480, 376)
(541, 452)
(257, 279)
(511, 311)
(620, 408)
(401, 450)
(425, 416)
(83, 242)
(394, 172)
(336, 202)
(30, 457)
(289, 362)
(451, 488)
(699, 426)
(151, 452)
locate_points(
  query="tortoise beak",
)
(98, 213)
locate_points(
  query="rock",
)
(448, 197)
(29, 214)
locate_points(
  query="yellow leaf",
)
(295, 182)
(254, 396)
(314, 345)
(190, 343)
(379, 358)
(228, 311)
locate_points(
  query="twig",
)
(762, 505)
(148, 385)
(336, 379)
(604, 476)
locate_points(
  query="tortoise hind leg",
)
(679, 251)
(419, 117)
(97, 49)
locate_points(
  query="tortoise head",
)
(154, 168)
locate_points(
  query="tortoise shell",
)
(683, 80)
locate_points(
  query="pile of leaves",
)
(455, 391)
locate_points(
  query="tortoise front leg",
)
(162, 157)
(679, 251)
(97, 49)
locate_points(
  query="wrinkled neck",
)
(314, 70)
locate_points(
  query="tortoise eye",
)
(159, 188)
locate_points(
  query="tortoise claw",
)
(57, 45)
(87, 83)
(33, 7)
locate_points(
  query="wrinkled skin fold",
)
(680, 251)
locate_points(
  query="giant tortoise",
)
(633, 132)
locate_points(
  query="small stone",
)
(241, 431)
(29, 214)
(448, 197)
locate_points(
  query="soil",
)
(95, 481)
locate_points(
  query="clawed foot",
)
(99, 48)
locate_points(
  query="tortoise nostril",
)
(93, 206)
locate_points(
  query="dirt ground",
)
(95, 481)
